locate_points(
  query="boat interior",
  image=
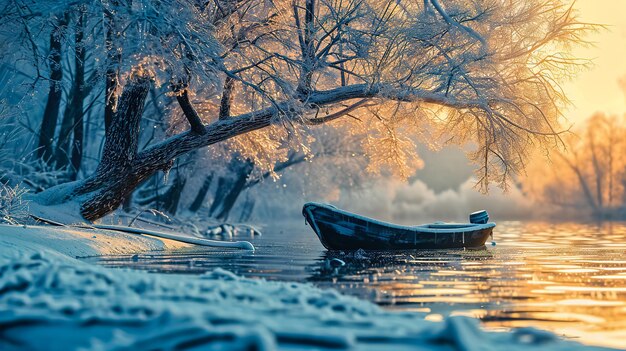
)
(448, 225)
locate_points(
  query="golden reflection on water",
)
(568, 278)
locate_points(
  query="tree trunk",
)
(117, 175)
(51, 111)
(190, 112)
(113, 61)
(293, 159)
(583, 184)
(79, 95)
(72, 123)
(198, 201)
(599, 172)
(171, 198)
(246, 211)
(223, 184)
(127, 204)
(227, 97)
(77, 147)
(230, 191)
(61, 154)
(169, 201)
(308, 49)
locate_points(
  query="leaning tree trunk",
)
(117, 175)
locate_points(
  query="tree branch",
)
(453, 22)
(338, 114)
(293, 159)
(227, 97)
(190, 112)
(162, 153)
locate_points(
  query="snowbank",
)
(15, 241)
(51, 301)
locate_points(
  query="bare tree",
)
(588, 175)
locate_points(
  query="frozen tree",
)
(486, 71)
(588, 177)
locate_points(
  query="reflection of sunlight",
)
(614, 245)
(553, 277)
(560, 266)
(540, 274)
(611, 277)
(434, 317)
(457, 273)
(585, 288)
(568, 317)
(432, 292)
(587, 302)
(577, 270)
(470, 299)
(544, 291)
(539, 282)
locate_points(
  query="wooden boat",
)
(341, 230)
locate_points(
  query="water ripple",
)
(568, 277)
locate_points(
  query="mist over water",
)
(569, 278)
(410, 203)
(443, 190)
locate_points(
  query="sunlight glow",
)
(598, 89)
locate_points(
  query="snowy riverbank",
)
(51, 301)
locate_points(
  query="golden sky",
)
(598, 89)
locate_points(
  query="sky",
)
(598, 89)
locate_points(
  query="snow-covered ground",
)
(51, 301)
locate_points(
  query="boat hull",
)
(342, 230)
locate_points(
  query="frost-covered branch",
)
(236, 125)
(437, 5)
(190, 112)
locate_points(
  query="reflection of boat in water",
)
(342, 230)
(386, 265)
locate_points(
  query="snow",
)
(15, 241)
(67, 212)
(51, 301)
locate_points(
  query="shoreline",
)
(78, 242)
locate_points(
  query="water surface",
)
(569, 278)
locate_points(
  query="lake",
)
(569, 278)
